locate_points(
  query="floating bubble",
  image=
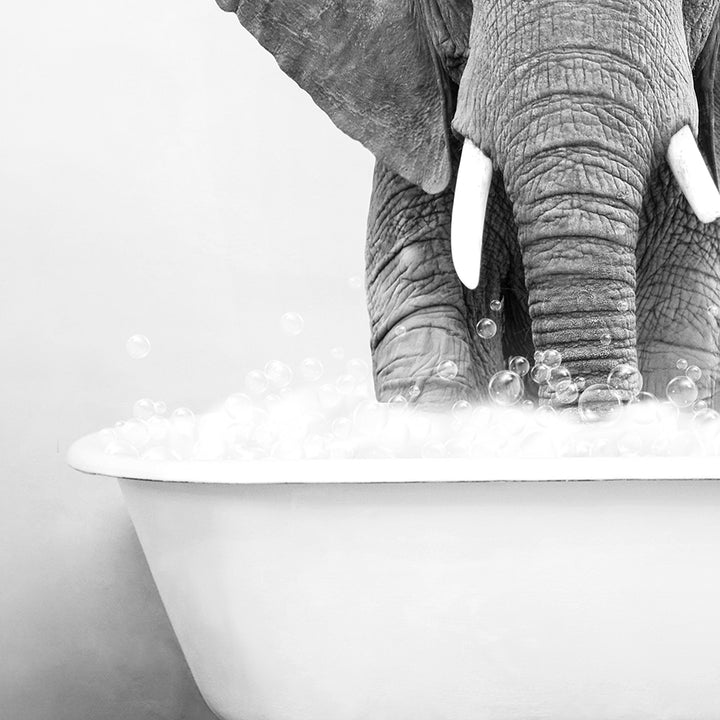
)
(337, 353)
(599, 403)
(256, 382)
(496, 305)
(606, 339)
(280, 374)
(462, 409)
(520, 365)
(414, 392)
(143, 409)
(311, 369)
(505, 388)
(540, 373)
(681, 391)
(160, 407)
(355, 282)
(486, 328)
(699, 406)
(552, 358)
(566, 392)
(681, 364)
(558, 374)
(626, 379)
(446, 370)
(623, 306)
(400, 330)
(292, 323)
(694, 373)
(345, 384)
(358, 368)
(538, 356)
(580, 382)
(138, 347)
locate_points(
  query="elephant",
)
(524, 173)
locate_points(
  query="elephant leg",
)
(678, 265)
(420, 314)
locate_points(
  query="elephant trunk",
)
(577, 205)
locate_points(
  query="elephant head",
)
(573, 104)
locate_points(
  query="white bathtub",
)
(423, 590)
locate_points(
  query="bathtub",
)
(436, 589)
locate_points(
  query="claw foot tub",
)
(436, 589)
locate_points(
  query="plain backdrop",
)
(158, 175)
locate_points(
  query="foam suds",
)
(300, 413)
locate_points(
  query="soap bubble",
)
(160, 407)
(626, 379)
(681, 364)
(505, 388)
(580, 382)
(461, 410)
(345, 384)
(623, 306)
(552, 358)
(183, 420)
(414, 392)
(143, 409)
(486, 328)
(446, 370)
(699, 406)
(496, 305)
(329, 396)
(256, 382)
(337, 353)
(311, 369)
(400, 330)
(538, 356)
(133, 431)
(292, 323)
(557, 375)
(520, 365)
(138, 347)
(566, 392)
(540, 373)
(599, 403)
(681, 391)
(280, 374)
(694, 373)
(606, 339)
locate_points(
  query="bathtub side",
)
(438, 601)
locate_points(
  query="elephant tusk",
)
(468, 214)
(692, 175)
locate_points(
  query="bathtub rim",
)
(87, 455)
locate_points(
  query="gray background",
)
(158, 175)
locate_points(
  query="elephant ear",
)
(707, 91)
(373, 67)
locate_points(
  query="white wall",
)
(158, 174)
